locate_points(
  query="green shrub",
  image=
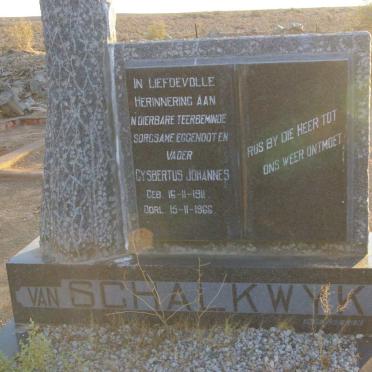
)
(6, 365)
(35, 355)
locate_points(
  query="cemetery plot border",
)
(330, 295)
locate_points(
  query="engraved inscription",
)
(295, 151)
(183, 131)
(342, 300)
(264, 159)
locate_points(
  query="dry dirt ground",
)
(20, 196)
(32, 162)
(19, 223)
(19, 203)
(14, 138)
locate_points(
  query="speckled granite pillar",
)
(80, 217)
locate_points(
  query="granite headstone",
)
(260, 140)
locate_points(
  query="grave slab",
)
(9, 341)
(316, 293)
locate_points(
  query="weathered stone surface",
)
(24, 74)
(38, 85)
(9, 104)
(80, 218)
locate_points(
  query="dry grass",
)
(157, 31)
(20, 35)
(132, 27)
(364, 17)
(182, 26)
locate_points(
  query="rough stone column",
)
(80, 210)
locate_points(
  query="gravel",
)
(144, 347)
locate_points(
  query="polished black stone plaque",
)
(240, 152)
(294, 119)
(183, 130)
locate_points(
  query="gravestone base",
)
(304, 292)
(11, 336)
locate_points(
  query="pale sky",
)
(23, 8)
